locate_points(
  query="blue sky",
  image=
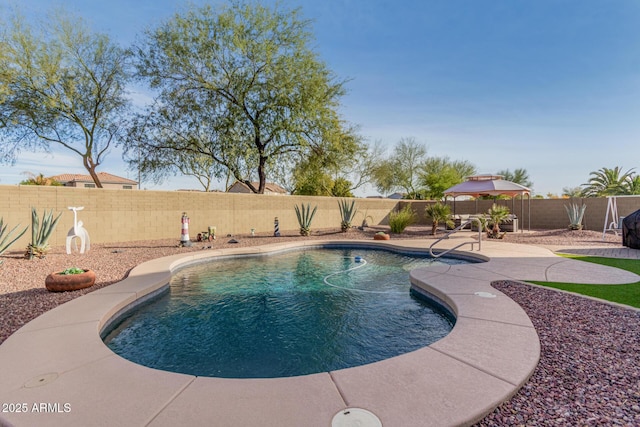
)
(549, 86)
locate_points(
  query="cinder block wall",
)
(545, 213)
(111, 215)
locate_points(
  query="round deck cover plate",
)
(355, 417)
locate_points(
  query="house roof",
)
(268, 186)
(105, 178)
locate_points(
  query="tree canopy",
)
(39, 179)
(240, 85)
(64, 86)
(409, 169)
(571, 192)
(401, 170)
(611, 182)
(518, 176)
(439, 173)
(334, 170)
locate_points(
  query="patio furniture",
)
(510, 224)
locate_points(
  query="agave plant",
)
(305, 216)
(6, 239)
(576, 213)
(40, 233)
(438, 213)
(347, 212)
(365, 222)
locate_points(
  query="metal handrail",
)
(455, 230)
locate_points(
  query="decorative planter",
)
(56, 282)
(381, 237)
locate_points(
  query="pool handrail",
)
(458, 228)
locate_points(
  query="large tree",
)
(400, 171)
(239, 84)
(63, 86)
(441, 173)
(609, 182)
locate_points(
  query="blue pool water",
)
(289, 314)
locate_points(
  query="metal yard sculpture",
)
(77, 232)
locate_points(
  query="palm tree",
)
(634, 185)
(497, 214)
(571, 192)
(39, 180)
(608, 182)
(438, 213)
(519, 176)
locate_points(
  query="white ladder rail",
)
(458, 228)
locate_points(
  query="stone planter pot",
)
(381, 237)
(56, 282)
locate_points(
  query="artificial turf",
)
(628, 294)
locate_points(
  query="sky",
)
(551, 86)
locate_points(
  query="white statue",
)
(77, 231)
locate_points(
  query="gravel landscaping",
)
(589, 372)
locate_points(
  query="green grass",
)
(628, 294)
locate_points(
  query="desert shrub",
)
(401, 219)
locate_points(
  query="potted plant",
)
(381, 235)
(71, 279)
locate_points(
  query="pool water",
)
(282, 315)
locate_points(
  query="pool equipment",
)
(355, 417)
(361, 263)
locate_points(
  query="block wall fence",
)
(546, 214)
(112, 215)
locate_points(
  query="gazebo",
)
(490, 185)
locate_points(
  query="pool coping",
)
(58, 366)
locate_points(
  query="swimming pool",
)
(289, 314)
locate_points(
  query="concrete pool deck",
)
(56, 370)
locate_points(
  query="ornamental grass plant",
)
(401, 219)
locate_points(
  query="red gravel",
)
(589, 370)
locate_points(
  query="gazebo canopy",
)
(487, 185)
